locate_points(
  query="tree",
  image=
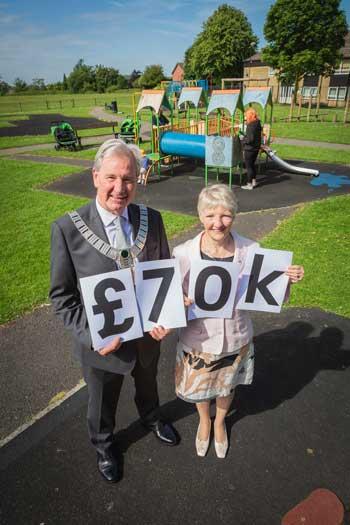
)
(152, 76)
(81, 78)
(64, 83)
(4, 87)
(304, 37)
(38, 84)
(219, 49)
(105, 77)
(20, 85)
(135, 74)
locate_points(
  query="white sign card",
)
(212, 287)
(159, 294)
(263, 284)
(111, 307)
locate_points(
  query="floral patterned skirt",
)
(201, 376)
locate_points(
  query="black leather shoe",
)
(108, 467)
(165, 432)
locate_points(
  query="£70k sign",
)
(116, 306)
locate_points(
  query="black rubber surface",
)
(276, 189)
(288, 436)
(40, 124)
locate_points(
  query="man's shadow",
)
(286, 361)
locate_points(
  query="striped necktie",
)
(120, 241)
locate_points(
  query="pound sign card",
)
(111, 307)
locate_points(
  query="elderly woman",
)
(251, 146)
(215, 355)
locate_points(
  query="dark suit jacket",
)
(72, 257)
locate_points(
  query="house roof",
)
(181, 64)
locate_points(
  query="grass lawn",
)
(86, 153)
(27, 213)
(306, 153)
(319, 131)
(318, 235)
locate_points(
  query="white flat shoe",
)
(221, 447)
(202, 446)
(247, 187)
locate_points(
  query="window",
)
(337, 93)
(343, 68)
(272, 72)
(308, 91)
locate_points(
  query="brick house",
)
(178, 73)
(333, 92)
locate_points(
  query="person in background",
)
(251, 146)
(216, 355)
(145, 164)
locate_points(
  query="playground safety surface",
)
(179, 192)
(40, 124)
(288, 431)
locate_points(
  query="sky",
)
(46, 38)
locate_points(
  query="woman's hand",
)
(295, 273)
(158, 332)
(188, 301)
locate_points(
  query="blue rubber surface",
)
(183, 145)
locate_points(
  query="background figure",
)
(115, 221)
(215, 355)
(145, 164)
(251, 146)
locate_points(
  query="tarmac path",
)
(289, 431)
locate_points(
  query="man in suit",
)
(89, 242)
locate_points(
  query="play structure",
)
(198, 132)
(206, 130)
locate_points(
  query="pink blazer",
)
(212, 335)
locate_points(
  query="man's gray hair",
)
(118, 148)
(217, 195)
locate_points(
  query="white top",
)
(108, 222)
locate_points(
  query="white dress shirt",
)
(108, 222)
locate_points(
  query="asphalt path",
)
(288, 435)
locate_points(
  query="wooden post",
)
(290, 118)
(47, 105)
(73, 103)
(61, 104)
(299, 105)
(347, 106)
(20, 106)
(309, 109)
(319, 87)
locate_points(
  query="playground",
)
(294, 413)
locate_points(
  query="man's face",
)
(115, 182)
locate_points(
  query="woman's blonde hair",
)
(217, 195)
(251, 114)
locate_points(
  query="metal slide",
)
(289, 167)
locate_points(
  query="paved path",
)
(312, 144)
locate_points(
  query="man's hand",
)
(158, 332)
(188, 301)
(111, 347)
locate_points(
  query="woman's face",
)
(217, 222)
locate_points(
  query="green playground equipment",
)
(154, 101)
(189, 103)
(224, 102)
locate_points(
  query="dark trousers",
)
(249, 159)
(104, 390)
